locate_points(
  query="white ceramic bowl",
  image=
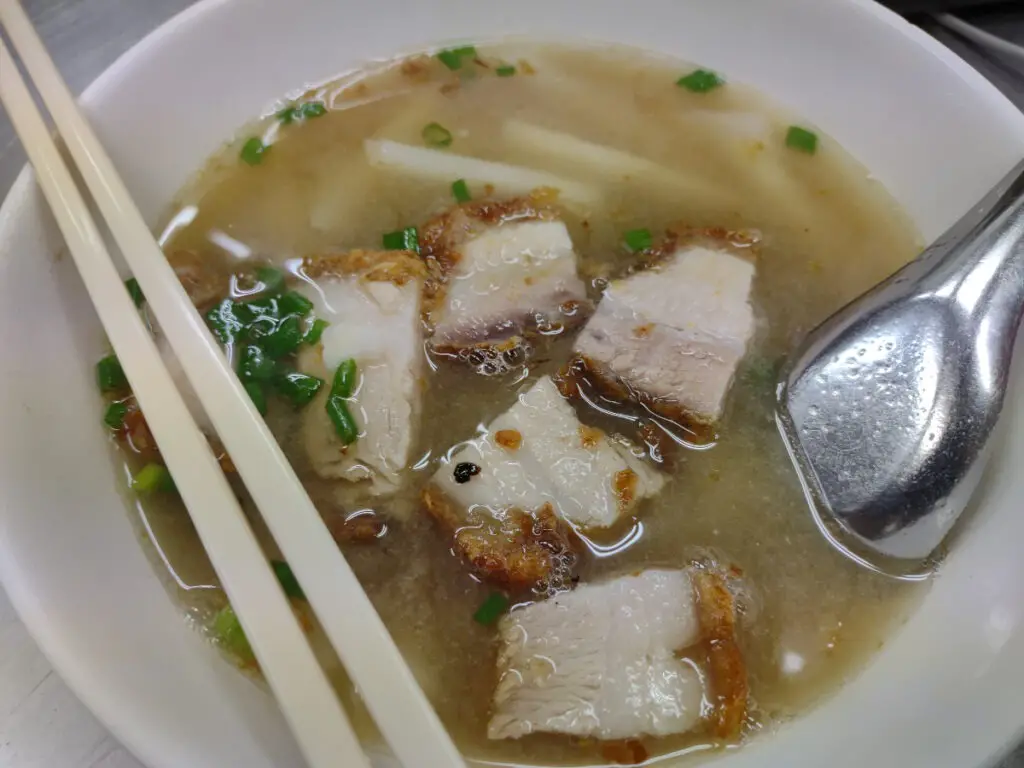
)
(947, 692)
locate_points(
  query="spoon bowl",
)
(889, 407)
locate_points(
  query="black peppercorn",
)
(465, 470)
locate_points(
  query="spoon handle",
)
(979, 264)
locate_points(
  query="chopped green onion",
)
(342, 419)
(460, 190)
(506, 70)
(110, 375)
(452, 57)
(266, 307)
(253, 151)
(255, 365)
(344, 383)
(271, 278)
(287, 579)
(257, 394)
(299, 388)
(491, 609)
(638, 239)
(114, 416)
(407, 239)
(288, 115)
(285, 338)
(801, 139)
(436, 135)
(309, 109)
(229, 633)
(700, 81)
(259, 318)
(134, 291)
(153, 477)
(294, 303)
(316, 330)
(313, 109)
(228, 319)
(260, 327)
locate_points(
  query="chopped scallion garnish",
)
(260, 327)
(700, 81)
(341, 417)
(271, 279)
(255, 365)
(801, 139)
(506, 70)
(452, 57)
(228, 319)
(294, 303)
(313, 109)
(135, 291)
(285, 338)
(266, 307)
(302, 112)
(257, 394)
(153, 477)
(460, 190)
(229, 633)
(638, 239)
(344, 383)
(110, 375)
(287, 579)
(298, 388)
(253, 151)
(316, 330)
(114, 415)
(491, 609)
(436, 135)
(407, 239)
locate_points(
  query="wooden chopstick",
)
(302, 689)
(356, 632)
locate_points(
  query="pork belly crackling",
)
(512, 497)
(371, 301)
(648, 654)
(499, 271)
(671, 336)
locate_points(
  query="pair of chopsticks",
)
(322, 730)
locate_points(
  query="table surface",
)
(42, 724)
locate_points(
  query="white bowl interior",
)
(947, 691)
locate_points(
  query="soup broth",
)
(725, 158)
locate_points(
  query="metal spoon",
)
(889, 408)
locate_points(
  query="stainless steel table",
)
(42, 724)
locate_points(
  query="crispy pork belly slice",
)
(673, 334)
(539, 453)
(727, 670)
(535, 468)
(372, 301)
(603, 660)
(513, 548)
(499, 271)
